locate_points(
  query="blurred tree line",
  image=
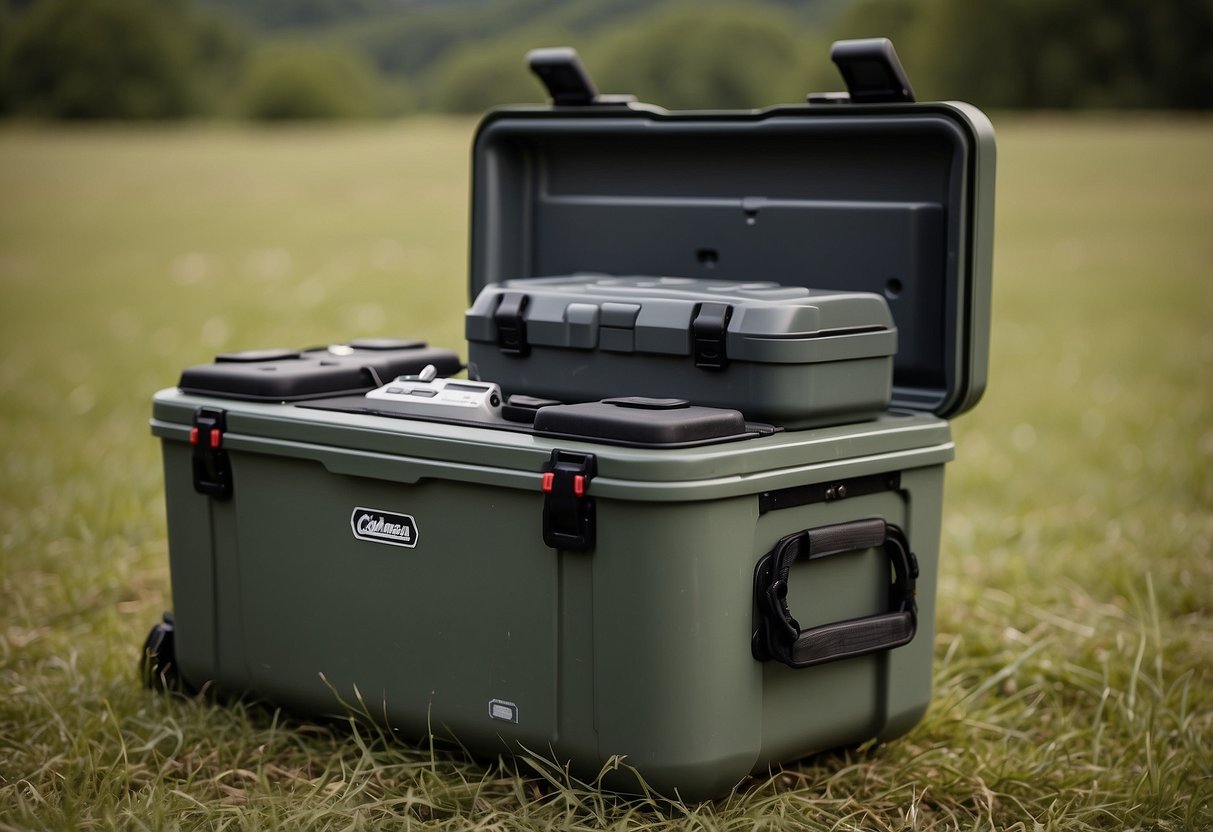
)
(285, 59)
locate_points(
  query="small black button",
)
(383, 344)
(255, 356)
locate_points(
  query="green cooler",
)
(649, 577)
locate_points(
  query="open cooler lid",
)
(893, 198)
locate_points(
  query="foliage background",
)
(276, 59)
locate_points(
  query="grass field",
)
(1074, 659)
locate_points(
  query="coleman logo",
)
(384, 527)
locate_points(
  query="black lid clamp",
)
(872, 71)
(510, 320)
(212, 469)
(568, 511)
(709, 335)
(566, 79)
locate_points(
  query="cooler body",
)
(399, 568)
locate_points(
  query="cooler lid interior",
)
(894, 199)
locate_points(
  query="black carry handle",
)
(779, 635)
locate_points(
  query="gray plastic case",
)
(781, 354)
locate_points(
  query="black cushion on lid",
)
(664, 422)
(285, 375)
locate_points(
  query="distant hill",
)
(406, 37)
(408, 40)
(364, 58)
(581, 15)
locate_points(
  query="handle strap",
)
(779, 635)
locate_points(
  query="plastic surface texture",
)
(893, 199)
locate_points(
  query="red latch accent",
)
(568, 512)
(212, 469)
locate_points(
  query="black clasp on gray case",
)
(511, 325)
(709, 332)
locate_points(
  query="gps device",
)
(426, 395)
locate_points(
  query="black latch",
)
(708, 332)
(511, 326)
(563, 74)
(568, 511)
(872, 70)
(212, 469)
(567, 80)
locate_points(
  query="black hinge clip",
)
(511, 325)
(212, 468)
(568, 510)
(709, 330)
